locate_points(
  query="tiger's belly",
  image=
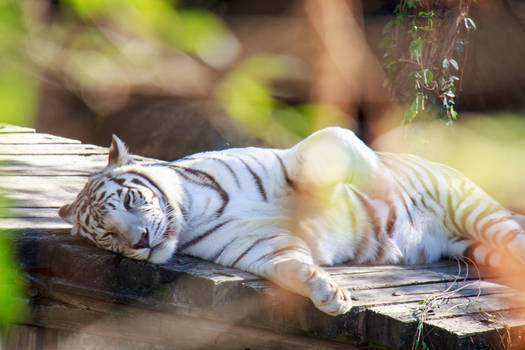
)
(347, 230)
(420, 232)
(423, 240)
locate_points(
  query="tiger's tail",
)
(496, 235)
(498, 239)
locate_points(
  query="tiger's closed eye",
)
(128, 200)
(107, 235)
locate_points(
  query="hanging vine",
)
(423, 45)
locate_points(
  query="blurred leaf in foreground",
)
(197, 32)
(247, 95)
(18, 85)
(12, 307)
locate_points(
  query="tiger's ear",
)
(118, 153)
(66, 213)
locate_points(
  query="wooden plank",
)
(437, 306)
(188, 296)
(8, 128)
(29, 213)
(235, 304)
(418, 292)
(34, 138)
(390, 277)
(25, 337)
(405, 319)
(191, 287)
(42, 225)
(52, 149)
(198, 287)
(408, 276)
(213, 273)
(361, 269)
(493, 330)
(205, 284)
(45, 165)
(38, 191)
(168, 329)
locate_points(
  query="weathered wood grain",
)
(34, 138)
(23, 337)
(51, 164)
(41, 225)
(33, 213)
(344, 270)
(167, 329)
(8, 128)
(377, 279)
(417, 292)
(436, 306)
(406, 318)
(406, 276)
(46, 165)
(52, 149)
(41, 191)
(492, 330)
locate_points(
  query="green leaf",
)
(416, 49)
(453, 113)
(420, 102)
(428, 75)
(388, 26)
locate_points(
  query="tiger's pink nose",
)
(143, 241)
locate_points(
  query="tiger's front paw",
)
(328, 297)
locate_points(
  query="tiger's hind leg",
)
(336, 155)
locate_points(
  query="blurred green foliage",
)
(193, 31)
(12, 306)
(104, 47)
(433, 83)
(246, 94)
(18, 84)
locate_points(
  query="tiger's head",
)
(124, 210)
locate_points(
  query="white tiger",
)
(281, 214)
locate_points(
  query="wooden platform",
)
(82, 295)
